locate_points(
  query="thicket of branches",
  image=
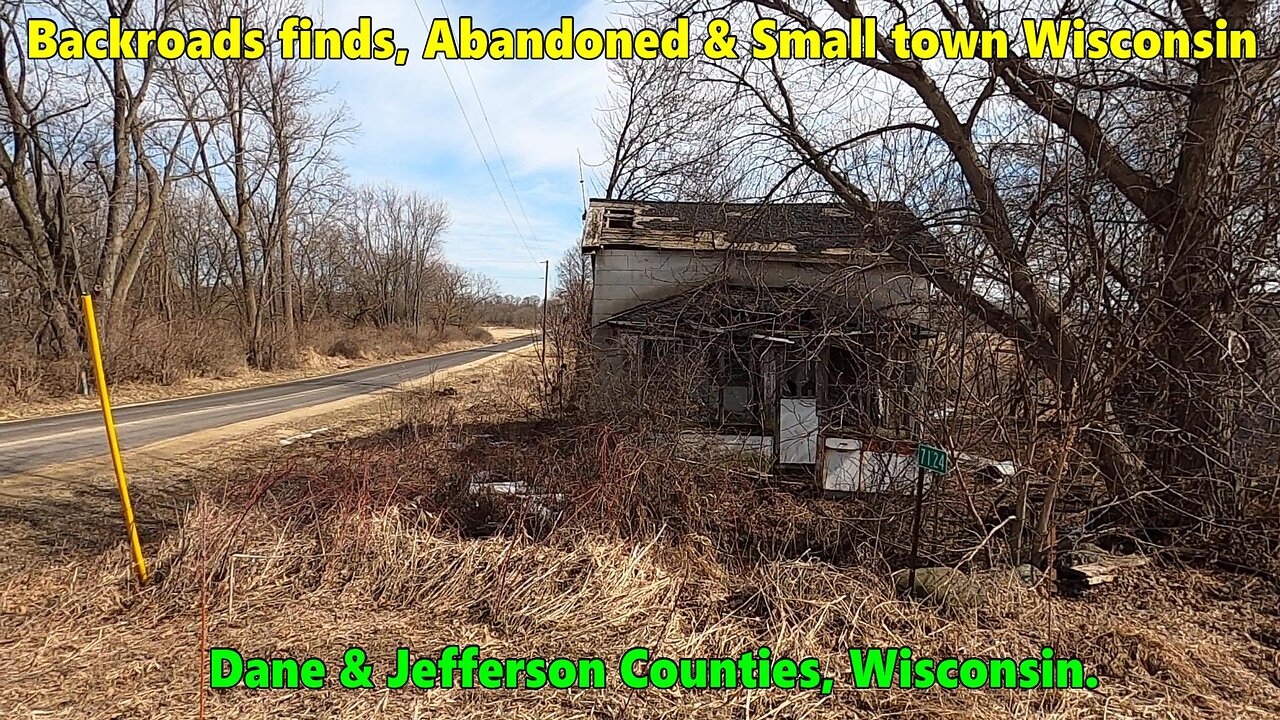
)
(200, 202)
(1111, 224)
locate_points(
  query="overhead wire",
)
(476, 139)
(484, 114)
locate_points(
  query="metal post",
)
(91, 323)
(915, 532)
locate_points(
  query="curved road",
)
(30, 444)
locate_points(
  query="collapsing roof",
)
(810, 228)
(719, 308)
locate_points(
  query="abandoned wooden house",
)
(787, 330)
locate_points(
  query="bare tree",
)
(138, 163)
(41, 163)
(218, 98)
(301, 138)
(662, 133)
(394, 254)
(1116, 220)
(203, 203)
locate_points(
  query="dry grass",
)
(27, 393)
(372, 343)
(375, 542)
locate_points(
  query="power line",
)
(496, 147)
(476, 139)
(487, 261)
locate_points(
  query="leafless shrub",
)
(152, 350)
(345, 347)
(380, 537)
(24, 377)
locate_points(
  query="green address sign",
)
(933, 459)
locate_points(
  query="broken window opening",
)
(800, 379)
(620, 219)
(742, 391)
(869, 392)
(671, 372)
(656, 350)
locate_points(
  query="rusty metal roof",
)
(810, 228)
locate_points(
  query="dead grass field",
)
(368, 536)
(312, 364)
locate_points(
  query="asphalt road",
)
(30, 444)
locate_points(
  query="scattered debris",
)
(303, 436)
(1076, 578)
(994, 470)
(1029, 574)
(946, 587)
(1085, 553)
(1267, 637)
(539, 503)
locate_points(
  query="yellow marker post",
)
(92, 325)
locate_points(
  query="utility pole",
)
(546, 284)
(582, 185)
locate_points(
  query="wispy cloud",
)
(413, 132)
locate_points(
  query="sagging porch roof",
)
(718, 308)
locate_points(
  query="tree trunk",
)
(286, 245)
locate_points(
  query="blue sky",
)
(412, 132)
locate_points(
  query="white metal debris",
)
(303, 436)
(539, 503)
